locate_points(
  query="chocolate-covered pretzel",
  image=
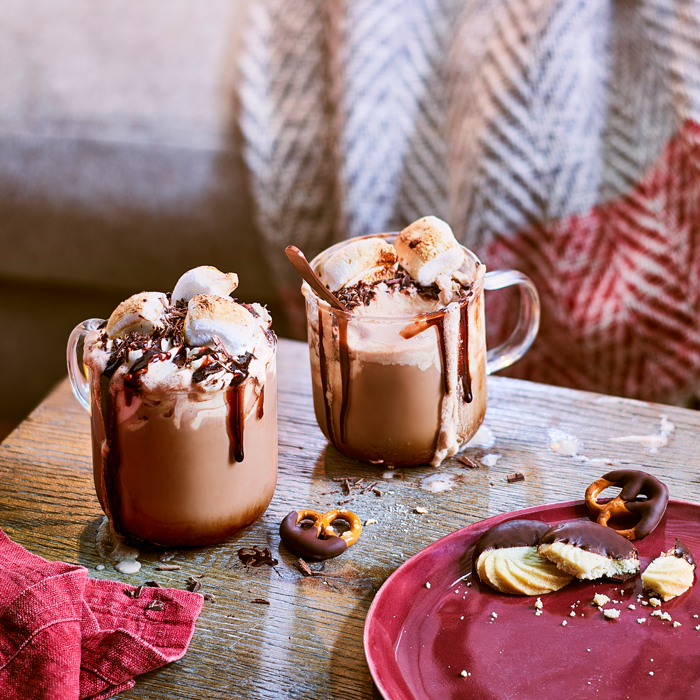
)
(319, 541)
(634, 483)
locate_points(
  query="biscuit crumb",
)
(464, 674)
(371, 521)
(631, 607)
(420, 510)
(697, 627)
(538, 613)
(651, 673)
(644, 602)
(563, 623)
(611, 613)
(676, 624)
(494, 615)
(641, 620)
(538, 604)
(654, 602)
(572, 614)
(427, 584)
(600, 599)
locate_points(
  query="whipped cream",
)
(424, 270)
(154, 344)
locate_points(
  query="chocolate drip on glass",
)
(463, 367)
(235, 420)
(111, 463)
(344, 374)
(323, 361)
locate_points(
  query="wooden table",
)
(307, 643)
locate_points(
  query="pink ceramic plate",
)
(419, 639)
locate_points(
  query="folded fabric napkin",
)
(65, 636)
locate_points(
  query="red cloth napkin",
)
(65, 636)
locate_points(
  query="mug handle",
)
(74, 356)
(528, 324)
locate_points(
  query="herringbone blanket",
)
(557, 137)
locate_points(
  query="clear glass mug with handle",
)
(177, 467)
(409, 390)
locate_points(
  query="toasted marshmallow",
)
(427, 249)
(369, 260)
(141, 313)
(210, 317)
(204, 280)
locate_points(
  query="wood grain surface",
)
(307, 643)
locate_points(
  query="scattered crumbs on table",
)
(469, 463)
(427, 584)
(464, 674)
(371, 521)
(564, 623)
(572, 614)
(538, 604)
(654, 602)
(611, 613)
(193, 585)
(600, 599)
(420, 510)
(260, 601)
(676, 623)
(631, 606)
(303, 567)
(641, 620)
(651, 673)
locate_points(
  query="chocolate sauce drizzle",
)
(112, 461)
(344, 375)
(463, 367)
(330, 427)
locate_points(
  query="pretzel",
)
(634, 483)
(320, 541)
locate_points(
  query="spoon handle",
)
(301, 265)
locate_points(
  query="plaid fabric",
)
(557, 137)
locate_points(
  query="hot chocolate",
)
(183, 410)
(400, 378)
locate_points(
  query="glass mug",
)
(409, 390)
(178, 468)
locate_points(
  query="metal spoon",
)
(301, 265)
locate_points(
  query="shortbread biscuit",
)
(590, 551)
(672, 573)
(506, 559)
